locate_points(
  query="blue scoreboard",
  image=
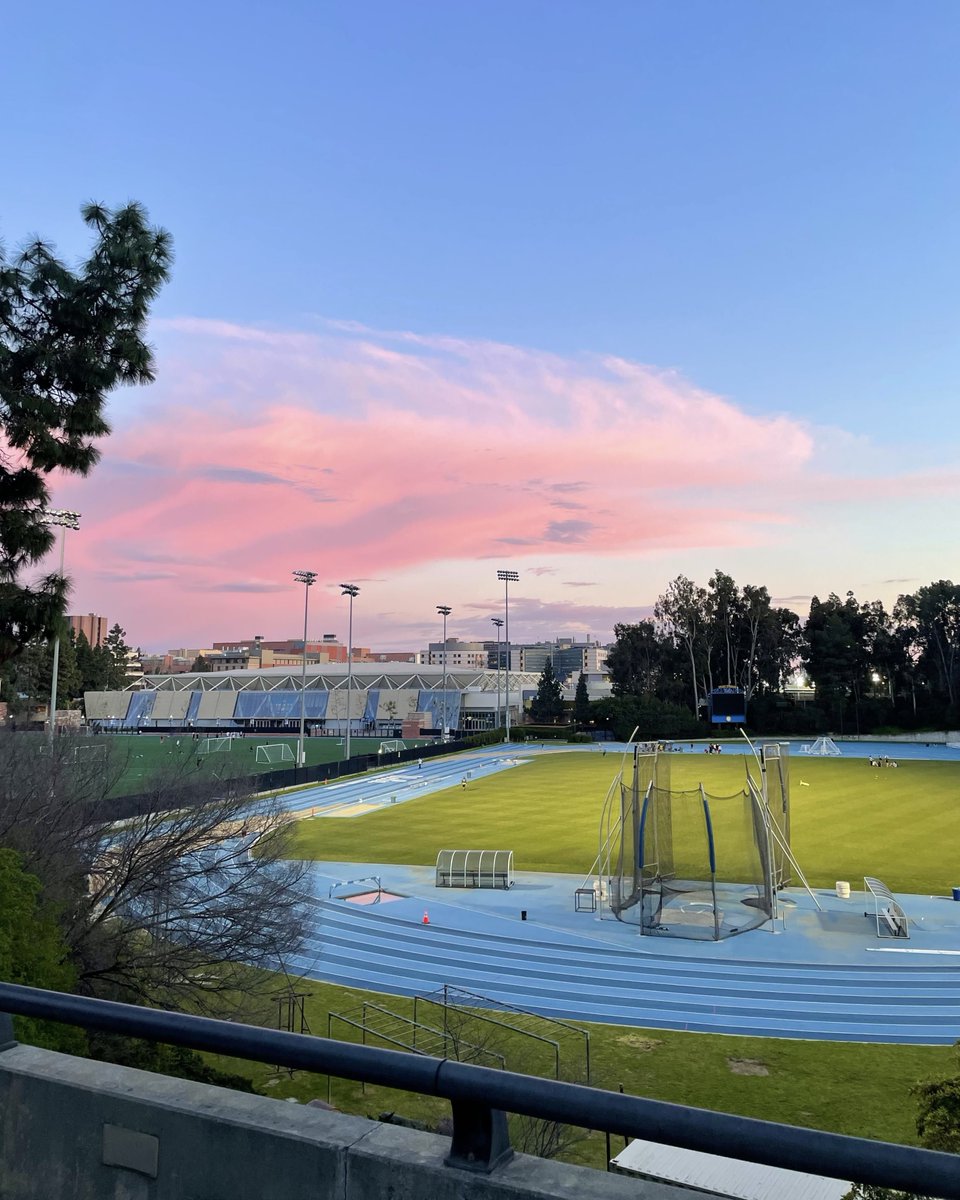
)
(728, 706)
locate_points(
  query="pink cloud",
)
(259, 449)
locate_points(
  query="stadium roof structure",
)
(333, 677)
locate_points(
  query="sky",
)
(598, 292)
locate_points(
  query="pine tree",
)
(116, 652)
(95, 666)
(67, 339)
(581, 701)
(547, 706)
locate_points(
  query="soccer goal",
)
(215, 745)
(278, 753)
(392, 746)
(823, 747)
(86, 754)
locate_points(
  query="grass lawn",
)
(848, 821)
(139, 756)
(851, 1088)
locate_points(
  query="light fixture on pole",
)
(445, 610)
(507, 577)
(351, 590)
(65, 519)
(307, 578)
(498, 621)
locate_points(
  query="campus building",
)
(379, 700)
(456, 653)
(93, 627)
(566, 655)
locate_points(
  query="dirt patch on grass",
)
(636, 1042)
(748, 1066)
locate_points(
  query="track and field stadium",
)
(377, 699)
(878, 965)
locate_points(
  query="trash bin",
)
(956, 893)
(843, 889)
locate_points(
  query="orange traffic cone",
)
(426, 917)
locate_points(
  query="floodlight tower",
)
(351, 590)
(445, 610)
(307, 578)
(498, 621)
(65, 519)
(507, 577)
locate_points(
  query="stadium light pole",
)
(307, 578)
(498, 621)
(445, 610)
(507, 577)
(64, 519)
(351, 590)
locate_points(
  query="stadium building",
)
(380, 700)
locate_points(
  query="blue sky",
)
(761, 198)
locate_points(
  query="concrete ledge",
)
(407, 1165)
(70, 1127)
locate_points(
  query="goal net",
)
(86, 754)
(275, 754)
(215, 745)
(392, 747)
(823, 747)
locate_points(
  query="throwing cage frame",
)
(689, 864)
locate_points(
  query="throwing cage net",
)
(693, 865)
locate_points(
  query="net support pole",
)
(711, 851)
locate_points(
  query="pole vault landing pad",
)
(372, 898)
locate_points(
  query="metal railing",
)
(481, 1096)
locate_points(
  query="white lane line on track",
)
(905, 950)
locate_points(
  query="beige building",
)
(93, 628)
(469, 655)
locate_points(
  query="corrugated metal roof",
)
(729, 1177)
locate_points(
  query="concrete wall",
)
(72, 1128)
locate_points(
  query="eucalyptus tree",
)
(681, 613)
(930, 623)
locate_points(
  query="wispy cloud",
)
(256, 586)
(262, 449)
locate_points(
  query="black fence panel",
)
(202, 791)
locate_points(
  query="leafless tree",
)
(177, 904)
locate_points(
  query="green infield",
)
(139, 756)
(793, 1082)
(848, 818)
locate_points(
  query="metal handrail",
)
(481, 1095)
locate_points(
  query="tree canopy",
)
(868, 667)
(68, 337)
(32, 949)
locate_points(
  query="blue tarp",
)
(432, 701)
(280, 705)
(140, 708)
